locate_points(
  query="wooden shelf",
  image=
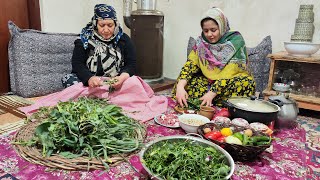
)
(305, 102)
(284, 56)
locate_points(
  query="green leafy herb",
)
(111, 82)
(194, 104)
(185, 160)
(90, 127)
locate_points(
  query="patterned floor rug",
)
(7, 177)
(296, 155)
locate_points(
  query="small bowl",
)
(282, 87)
(303, 49)
(180, 110)
(207, 111)
(191, 122)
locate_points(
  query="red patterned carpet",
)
(296, 155)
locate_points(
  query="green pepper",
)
(238, 135)
(260, 138)
(263, 143)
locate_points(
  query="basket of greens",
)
(186, 157)
(79, 135)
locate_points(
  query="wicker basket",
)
(34, 155)
(238, 152)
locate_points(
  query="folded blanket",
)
(136, 98)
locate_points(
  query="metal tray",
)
(192, 139)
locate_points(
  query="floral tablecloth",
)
(296, 155)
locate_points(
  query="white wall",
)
(255, 19)
(70, 15)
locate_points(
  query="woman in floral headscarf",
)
(216, 66)
(102, 50)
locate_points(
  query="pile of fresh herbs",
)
(86, 127)
(194, 104)
(185, 160)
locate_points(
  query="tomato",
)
(213, 135)
(221, 138)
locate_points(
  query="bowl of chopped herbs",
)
(193, 107)
(185, 157)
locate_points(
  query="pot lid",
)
(253, 105)
(283, 99)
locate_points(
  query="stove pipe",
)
(127, 8)
(146, 24)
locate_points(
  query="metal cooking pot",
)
(192, 140)
(252, 109)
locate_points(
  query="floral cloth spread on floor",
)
(295, 156)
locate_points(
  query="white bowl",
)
(282, 87)
(301, 48)
(191, 122)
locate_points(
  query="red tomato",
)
(214, 135)
(221, 138)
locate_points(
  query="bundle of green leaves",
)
(86, 127)
(185, 159)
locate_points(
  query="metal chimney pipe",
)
(127, 8)
(149, 5)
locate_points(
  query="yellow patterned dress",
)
(227, 79)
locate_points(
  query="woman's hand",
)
(120, 79)
(207, 98)
(181, 94)
(95, 81)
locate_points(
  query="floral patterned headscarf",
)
(101, 11)
(106, 51)
(229, 48)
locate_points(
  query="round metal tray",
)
(191, 138)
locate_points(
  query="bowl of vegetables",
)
(191, 122)
(167, 157)
(242, 143)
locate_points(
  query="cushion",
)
(191, 43)
(38, 60)
(259, 63)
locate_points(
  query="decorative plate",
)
(167, 120)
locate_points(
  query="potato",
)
(248, 132)
(206, 130)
